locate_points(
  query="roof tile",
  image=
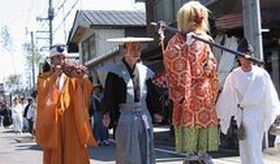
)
(114, 18)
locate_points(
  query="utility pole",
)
(32, 59)
(252, 25)
(50, 17)
(252, 31)
(50, 21)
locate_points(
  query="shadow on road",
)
(167, 160)
(98, 153)
(8, 131)
(28, 147)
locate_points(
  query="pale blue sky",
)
(19, 14)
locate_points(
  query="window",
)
(85, 51)
(88, 49)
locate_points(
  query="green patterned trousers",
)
(196, 140)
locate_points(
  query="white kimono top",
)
(252, 90)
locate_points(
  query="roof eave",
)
(115, 26)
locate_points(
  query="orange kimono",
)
(193, 88)
(62, 125)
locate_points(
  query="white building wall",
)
(102, 46)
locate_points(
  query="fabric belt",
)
(247, 107)
(132, 107)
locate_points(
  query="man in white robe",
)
(251, 88)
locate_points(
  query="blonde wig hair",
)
(193, 16)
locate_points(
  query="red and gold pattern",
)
(193, 82)
(160, 79)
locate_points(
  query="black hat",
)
(244, 46)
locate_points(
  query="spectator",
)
(29, 113)
(100, 130)
(17, 114)
(7, 113)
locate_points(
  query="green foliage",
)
(6, 40)
(13, 83)
(32, 55)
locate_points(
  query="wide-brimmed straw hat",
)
(130, 39)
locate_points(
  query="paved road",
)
(17, 149)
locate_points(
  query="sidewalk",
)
(18, 149)
(223, 156)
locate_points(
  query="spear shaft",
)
(163, 26)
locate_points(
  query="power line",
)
(68, 13)
(50, 18)
(64, 27)
(63, 3)
(60, 7)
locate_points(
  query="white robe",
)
(255, 92)
(17, 114)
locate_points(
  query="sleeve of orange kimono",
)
(213, 72)
(46, 123)
(81, 89)
(174, 53)
(170, 51)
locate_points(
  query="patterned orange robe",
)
(62, 125)
(193, 82)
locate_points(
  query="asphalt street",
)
(21, 149)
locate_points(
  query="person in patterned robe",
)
(193, 83)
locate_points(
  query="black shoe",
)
(206, 159)
(106, 143)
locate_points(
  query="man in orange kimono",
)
(62, 125)
(193, 83)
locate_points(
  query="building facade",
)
(90, 30)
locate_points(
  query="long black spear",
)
(162, 26)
